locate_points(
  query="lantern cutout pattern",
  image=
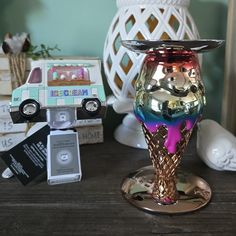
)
(140, 20)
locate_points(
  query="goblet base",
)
(194, 192)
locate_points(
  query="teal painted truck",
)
(60, 84)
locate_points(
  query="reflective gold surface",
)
(165, 164)
(169, 87)
(199, 46)
(169, 101)
(193, 192)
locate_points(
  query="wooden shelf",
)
(95, 206)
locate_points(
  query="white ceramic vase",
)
(139, 19)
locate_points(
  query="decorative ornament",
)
(139, 19)
(168, 103)
(216, 146)
(15, 47)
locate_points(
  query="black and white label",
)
(27, 160)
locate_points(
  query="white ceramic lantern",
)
(139, 19)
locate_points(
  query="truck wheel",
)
(29, 108)
(91, 105)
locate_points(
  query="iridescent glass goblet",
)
(168, 103)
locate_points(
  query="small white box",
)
(5, 75)
(8, 141)
(63, 157)
(4, 107)
(4, 63)
(7, 126)
(5, 82)
(90, 134)
(88, 122)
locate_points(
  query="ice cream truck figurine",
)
(53, 84)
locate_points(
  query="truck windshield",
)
(35, 76)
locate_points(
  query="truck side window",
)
(68, 75)
(35, 76)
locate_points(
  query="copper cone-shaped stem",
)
(164, 190)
